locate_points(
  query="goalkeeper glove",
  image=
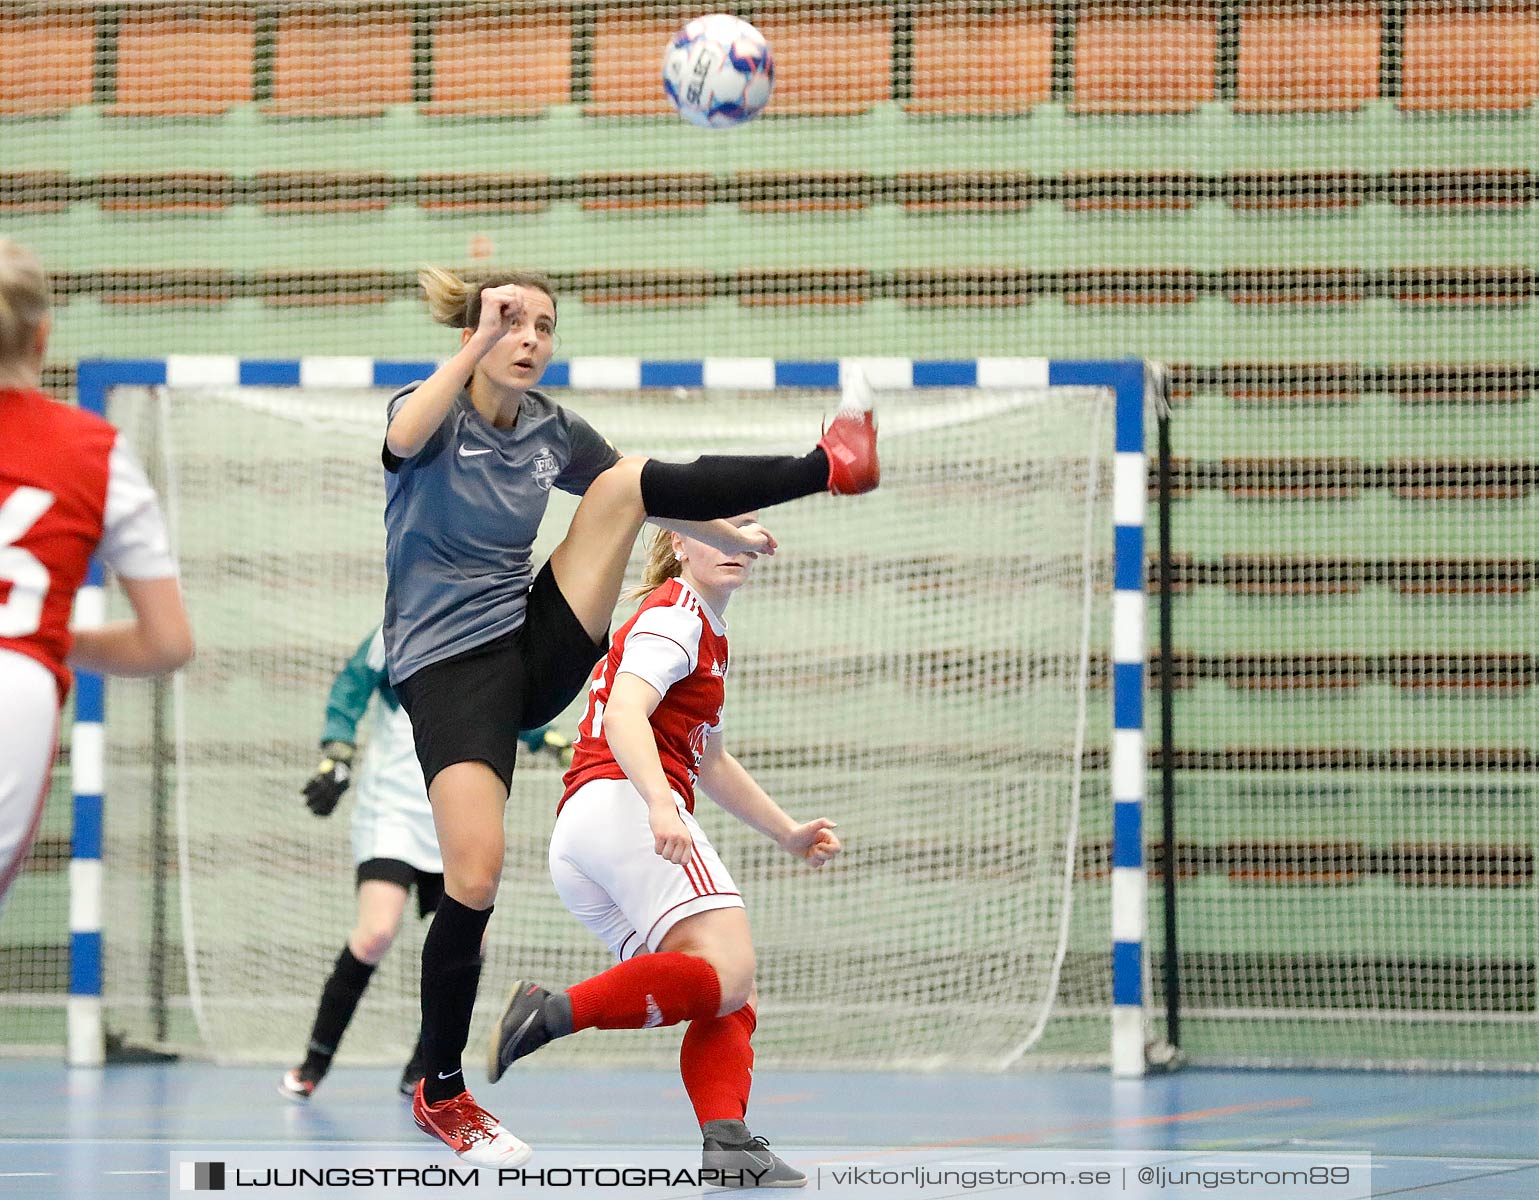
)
(545, 739)
(559, 745)
(331, 778)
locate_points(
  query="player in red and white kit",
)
(631, 862)
(69, 488)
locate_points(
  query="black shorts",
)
(429, 884)
(471, 707)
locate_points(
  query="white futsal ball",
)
(718, 71)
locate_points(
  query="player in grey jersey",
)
(479, 646)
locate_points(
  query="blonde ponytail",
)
(23, 300)
(445, 293)
(662, 565)
(456, 302)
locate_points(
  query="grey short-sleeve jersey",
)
(460, 519)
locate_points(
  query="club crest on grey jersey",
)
(545, 469)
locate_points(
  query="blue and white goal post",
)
(1135, 384)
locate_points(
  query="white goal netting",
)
(926, 666)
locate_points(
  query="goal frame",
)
(1132, 381)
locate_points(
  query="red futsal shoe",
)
(850, 440)
(469, 1130)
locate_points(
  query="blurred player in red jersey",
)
(69, 488)
(632, 864)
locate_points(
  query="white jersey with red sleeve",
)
(69, 489)
(679, 646)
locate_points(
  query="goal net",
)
(927, 666)
(1355, 749)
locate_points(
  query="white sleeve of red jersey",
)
(134, 542)
(662, 647)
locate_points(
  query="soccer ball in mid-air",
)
(718, 71)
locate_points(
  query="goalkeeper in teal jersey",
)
(395, 847)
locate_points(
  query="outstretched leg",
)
(844, 463)
(703, 969)
(589, 564)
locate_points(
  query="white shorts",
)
(29, 735)
(391, 814)
(614, 882)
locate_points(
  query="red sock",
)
(716, 1061)
(648, 990)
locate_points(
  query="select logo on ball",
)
(718, 71)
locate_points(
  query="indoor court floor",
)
(107, 1133)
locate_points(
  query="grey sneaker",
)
(734, 1158)
(533, 1017)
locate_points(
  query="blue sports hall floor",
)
(105, 1133)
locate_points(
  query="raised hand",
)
(501, 309)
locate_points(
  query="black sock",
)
(721, 485)
(339, 1000)
(451, 969)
